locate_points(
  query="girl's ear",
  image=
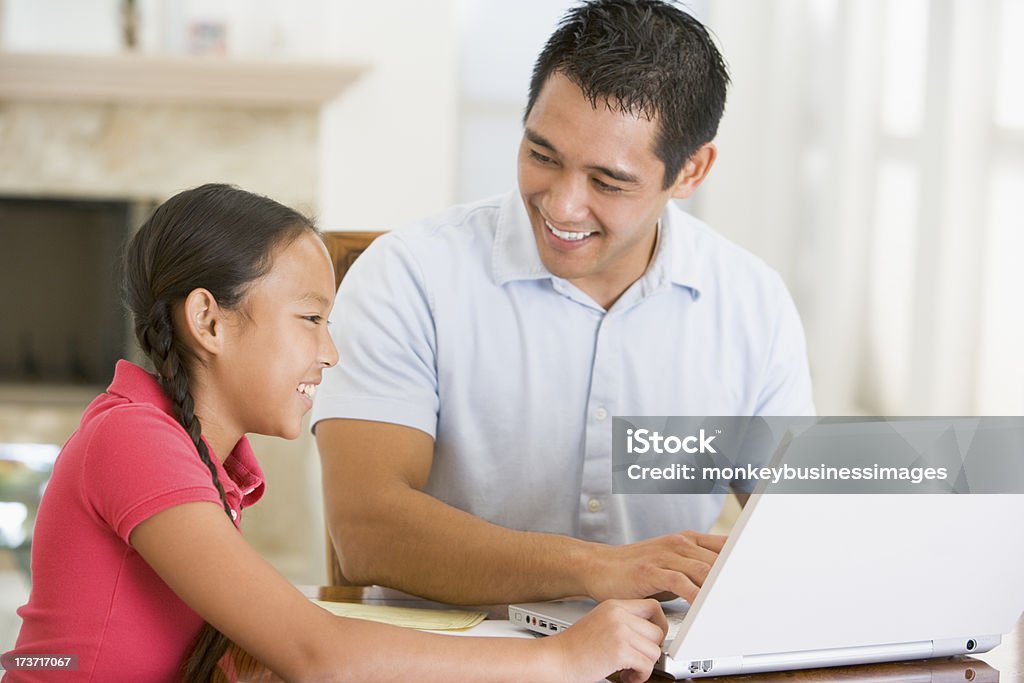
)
(204, 321)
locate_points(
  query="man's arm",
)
(389, 532)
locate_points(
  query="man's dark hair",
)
(644, 57)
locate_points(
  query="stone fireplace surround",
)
(138, 129)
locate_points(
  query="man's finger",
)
(680, 584)
(696, 566)
(713, 542)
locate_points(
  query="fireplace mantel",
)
(142, 127)
(172, 80)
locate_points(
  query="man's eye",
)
(537, 156)
(605, 187)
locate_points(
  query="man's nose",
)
(566, 201)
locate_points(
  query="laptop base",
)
(691, 667)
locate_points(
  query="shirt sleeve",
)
(383, 326)
(139, 462)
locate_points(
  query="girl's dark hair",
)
(215, 237)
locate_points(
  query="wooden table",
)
(1004, 664)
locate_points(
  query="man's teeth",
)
(568, 236)
(307, 389)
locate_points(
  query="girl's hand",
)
(617, 635)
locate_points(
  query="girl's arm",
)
(197, 551)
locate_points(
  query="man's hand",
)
(664, 567)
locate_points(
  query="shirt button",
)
(593, 505)
(600, 413)
(234, 515)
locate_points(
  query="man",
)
(465, 434)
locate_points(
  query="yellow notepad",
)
(407, 617)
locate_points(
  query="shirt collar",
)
(515, 256)
(138, 386)
(244, 470)
(677, 258)
(240, 474)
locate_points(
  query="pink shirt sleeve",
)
(139, 462)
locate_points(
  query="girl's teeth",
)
(307, 389)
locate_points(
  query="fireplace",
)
(60, 267)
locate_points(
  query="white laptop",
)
(813, 580)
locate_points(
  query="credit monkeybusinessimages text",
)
(774, 475)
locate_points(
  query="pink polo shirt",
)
(92, 594)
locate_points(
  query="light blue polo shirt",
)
(453, 326)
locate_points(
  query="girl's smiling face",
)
(275, 348)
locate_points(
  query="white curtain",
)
(873, 152)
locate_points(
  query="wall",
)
(389, 145)
(381, 155)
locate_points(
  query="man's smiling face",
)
(593, 188)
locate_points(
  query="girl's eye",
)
(315, 319)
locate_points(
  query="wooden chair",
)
(345, 248)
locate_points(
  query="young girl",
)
(137, 543)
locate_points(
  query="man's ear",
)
(694, 171)
(204, 321)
